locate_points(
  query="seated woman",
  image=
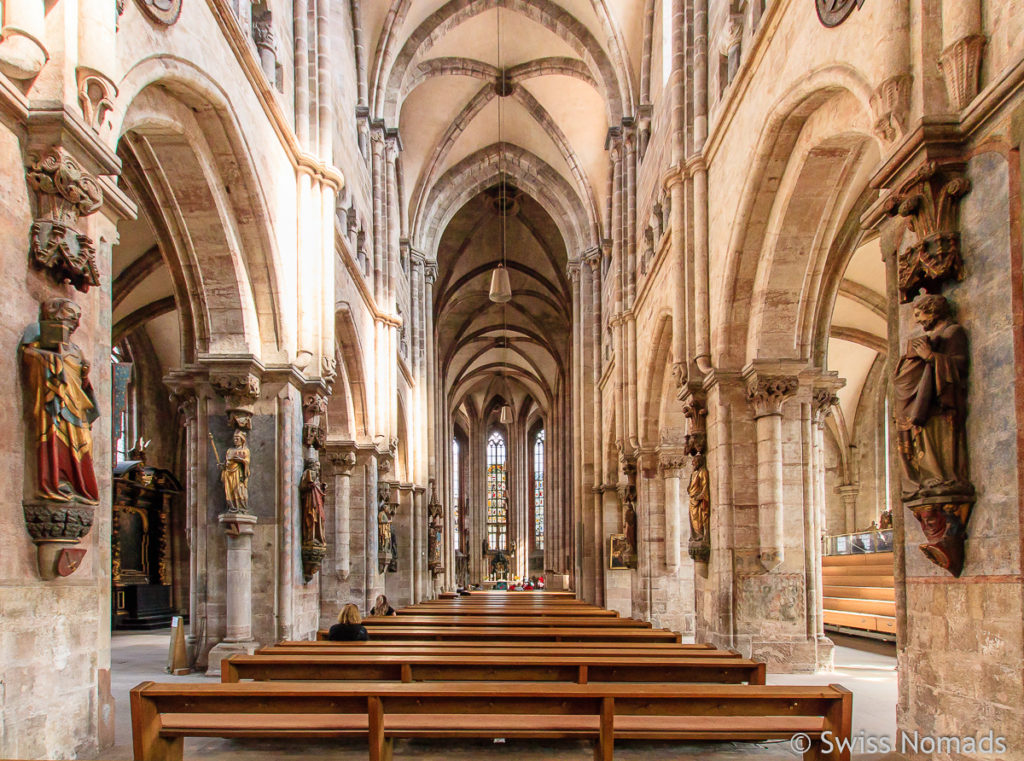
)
(382, 607)
(349, 627)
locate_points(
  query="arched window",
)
(497, 494)
(538, 491)
(456, 467)
(124, 429)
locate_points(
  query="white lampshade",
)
(506, 415)
(501, 289)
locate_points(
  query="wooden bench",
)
(450, 667)
(519, 611)
(498, 649)
(521, 633)
(503, 620)
(164, 714)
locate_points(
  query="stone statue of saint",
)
(931, 405)
(234, 474)
(312, 490)
(700, 499)
(629, 524)
(384, 539)
(435, 539)
(63, 405)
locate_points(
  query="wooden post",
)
(606, 738)
(147, 743)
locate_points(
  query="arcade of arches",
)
(278, 223)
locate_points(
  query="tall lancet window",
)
(456, 469)
(497, 493)
(538, 491)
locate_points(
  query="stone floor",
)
(866, 667)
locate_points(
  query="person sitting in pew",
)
(382, 607)
(349, 627)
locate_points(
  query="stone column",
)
(343, 462)
(238, 531)
(672, 464)
(766, 394)
(962, 46)
(823, 401)
(848, 496)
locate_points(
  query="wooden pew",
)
(164, 714)
(503, 620)
(521, 633)
(447, 667)
(516, 610)
(497, 648)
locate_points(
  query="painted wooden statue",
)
(63, 405)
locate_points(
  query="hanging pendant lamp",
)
(501, 289)
(506, 415)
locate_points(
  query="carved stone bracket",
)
(96, 96)
(930, 202)
(56, 529)
(240, 392)
(960, 64)
(891, 104)
(64, 193)
(767, 393)
(314, 419)
(823, 401)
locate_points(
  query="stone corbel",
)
(890, 104)
(822, 402)
(240, 392)
(930, 202)
(960, 64)
(64, 192)
(314, 419)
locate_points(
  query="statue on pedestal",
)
(63, 405)
(931, 415)
(234, 474)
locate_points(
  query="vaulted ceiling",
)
(570, 69)
(533, 112)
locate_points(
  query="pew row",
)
(164, 714)
(470, 633)
(581, 669)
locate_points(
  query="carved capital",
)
(573, 270)
(930, 202)
(960, 64)
(890, 104)
(821, 405)
(696, 414)
(344, 461)
(671, 463)
(767, 393)
(96, 96)
(263, 32)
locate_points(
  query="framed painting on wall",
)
(618, 553)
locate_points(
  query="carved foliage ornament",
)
(930, 201)
(164, 12)
(832, 13)
(767, 393)
(64, 193)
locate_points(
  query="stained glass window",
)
(538, 491)
(124, 408)
(456, 467)
(497, 494)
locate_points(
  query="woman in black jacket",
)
(349, 627)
